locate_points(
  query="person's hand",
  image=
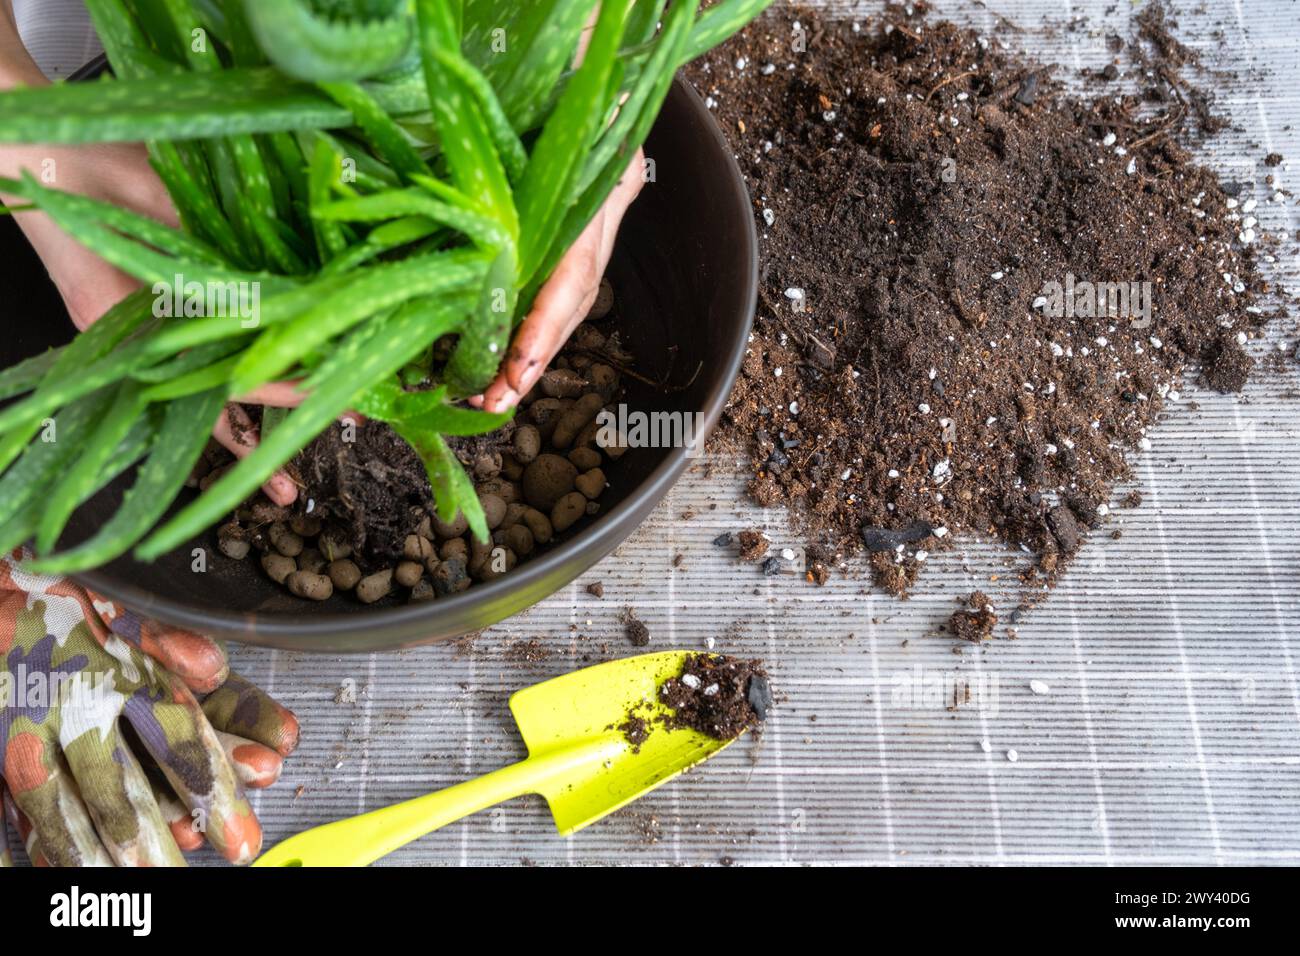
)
(566, 298)
(121, 174)
(84, 686)
(118, 173)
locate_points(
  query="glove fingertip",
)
(289, 731)
(242, 838)
(257, 765)
(186, 837)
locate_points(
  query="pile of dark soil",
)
(936, 216)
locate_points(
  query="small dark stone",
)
(887, 539)
(772, 566)
(723, 540)
(1027, 95)
(1111, 72)
(760, 695)
(1084, 510)
(1065, 528)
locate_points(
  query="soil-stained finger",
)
(236, 431)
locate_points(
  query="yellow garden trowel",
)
(578, 759)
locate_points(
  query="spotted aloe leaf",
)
(335, 41)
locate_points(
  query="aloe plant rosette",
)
(384, 173)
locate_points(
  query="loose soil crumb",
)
(975, 625)
(753, 545)
(637, 633)
(721, 697)
(596, 589)
(636, 731)
(919, 191)
(531, 651)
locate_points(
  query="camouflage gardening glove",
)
(84, 686)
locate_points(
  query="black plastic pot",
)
(686, 274)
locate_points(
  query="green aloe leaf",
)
(20, 422)
(308, 46)
(546, 191)
(467, 144)
(176, 107)
(369, 293)
(45, 459)
(644, 99)
(396, 204)
(181, 439)
(385, 135)
(21, 527)
(94, 454)
(718, 23)
(453, 492)
(27, 374)
(370, 354)
(147, 230)
(474, 362)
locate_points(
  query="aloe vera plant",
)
(386, 173)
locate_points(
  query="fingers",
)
(256, 765)
(44, 793)
(199, 661)
(22, 825)
(6, 859)
(277, 394)
(245, 710)
(173, 729)
(560, 306)
(236, 431)
(566, 298)
(180, 822)
(110, 779)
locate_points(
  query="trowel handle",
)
(359, 841)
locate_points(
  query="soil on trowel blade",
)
(931, 206)
(721, 697)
